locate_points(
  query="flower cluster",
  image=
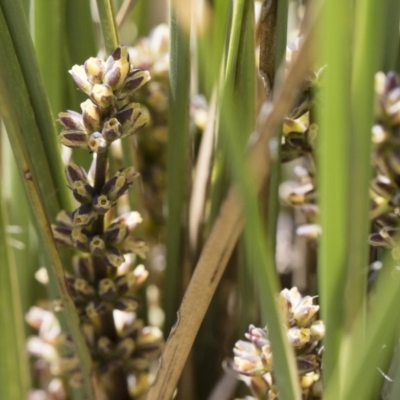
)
(299, 133)
(54, 351)
(254, 359)
(107, 115)
(103, 284)
(385, 185)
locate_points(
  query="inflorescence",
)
(103, 281)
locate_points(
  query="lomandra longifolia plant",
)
(104, 282)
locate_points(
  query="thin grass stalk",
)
(15, 378)
(368, 52)
(389, 35)
(223, 237)
(108, 25)
(273, 187)
(48, 35)
(333, 184)
(177, 158)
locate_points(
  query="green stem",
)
(108, 25)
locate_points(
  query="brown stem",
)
(118, 388)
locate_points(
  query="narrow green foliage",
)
(177, 159)
(108, 26)
(14, 377)
(235, 144)
(48, 39)
(332, 158)
(368, 48)
(45, 136)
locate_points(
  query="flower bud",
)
(80, 239)
(131, 118)
(149, 340)
(127, 304)
(94, 68)
(74, 139)
(83, 288)
(101, 204)
(136, 246)
(116, 233)
(107, 289)
(95, 308)
(317, 330)
(113, 257)
(104, 345)
(96, 143)
(79, 75)
(117, 68)
(71, 120)
(84, 215)
(82, 266)
(102, 95)
(136, 79)
(307, 363)
(62, 235)
(111, 130)
(133, 280)
(298, 336)
(91, 116)
(97, 245)
(126, 347)
(118, 185)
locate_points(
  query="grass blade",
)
(14, 379)
(177, 158)
(333, 186)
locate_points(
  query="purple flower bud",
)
(84, 215)
(94, 68)
(136, 79)
(102, 95)
(80, 238)
(97, 245)
(136, 246)
(71, 120)
(127, 304)
(101, 204)
(116, 232)
(118, 184)
(97, 143)
(79, 75)
(111, 130)
(96, 308)
(74, 139)
(83, 267)
(117, 68)
(62, 235)
(91, 116)
(113, 257)
(126, 347)
(107, 289)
